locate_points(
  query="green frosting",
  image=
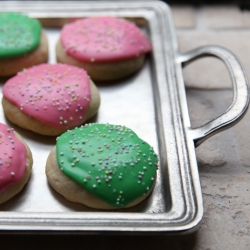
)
(110, 161)
(19, 34)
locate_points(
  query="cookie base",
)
(107, 71)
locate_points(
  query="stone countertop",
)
(224, 159)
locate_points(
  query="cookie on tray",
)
(23, 43)
(15, 163)
(50, 98)
(108, 48)
(102, 166)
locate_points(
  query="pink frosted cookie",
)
(15, 163)
(107, 47)
(50, 99)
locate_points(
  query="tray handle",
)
(240, 101)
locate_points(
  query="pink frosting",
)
(57, 95)
(103, 39)
(12, 158)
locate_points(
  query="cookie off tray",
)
(153, 103)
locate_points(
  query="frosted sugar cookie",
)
(102, 166)
(15, 163)
(23, 43)
(50, 99)
(108, 48)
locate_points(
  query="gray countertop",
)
(223, 159)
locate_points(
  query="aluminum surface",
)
(152, 103)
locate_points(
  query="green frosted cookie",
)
(109, 161)
(19, 34)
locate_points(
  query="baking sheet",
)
(148, 103)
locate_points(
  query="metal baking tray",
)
(153, 103)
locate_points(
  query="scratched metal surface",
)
(147, 102)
